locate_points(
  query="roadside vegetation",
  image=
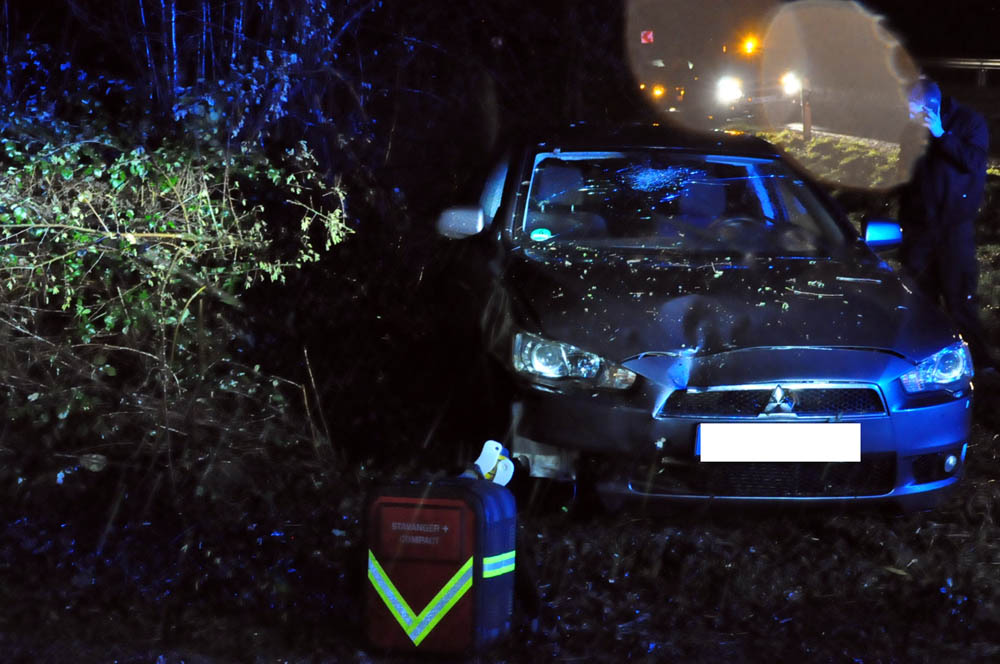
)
(841, 161)
(123, 271)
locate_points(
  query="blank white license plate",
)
(779, 441)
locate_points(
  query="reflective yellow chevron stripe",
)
(417, 627)
(438, 607)
(497, 565)
(400, 610)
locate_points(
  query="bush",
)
(122, 324)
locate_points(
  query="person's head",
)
(924, 95)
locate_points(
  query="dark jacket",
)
(948, 179)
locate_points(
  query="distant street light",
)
(750, 45)
(793, 85)
(729, 90)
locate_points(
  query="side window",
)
(795, 209)
(492, 194)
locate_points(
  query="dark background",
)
(407, 108)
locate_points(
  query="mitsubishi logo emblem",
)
(780, 402)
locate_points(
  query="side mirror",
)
(882, 234)
(459, 222)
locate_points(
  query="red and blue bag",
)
(441, 560)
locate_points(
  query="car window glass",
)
(675, 200)
(802, 210)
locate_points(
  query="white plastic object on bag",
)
(504, 471)
(488, 458)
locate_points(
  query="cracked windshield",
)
(676, 201)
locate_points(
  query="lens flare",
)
(827, 64)
(852, 73)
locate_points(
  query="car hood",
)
(622, 305)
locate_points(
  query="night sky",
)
(929, 29)
(940, 29)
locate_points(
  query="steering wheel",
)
(795, 238)
(735, 222)
(728, 228)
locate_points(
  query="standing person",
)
(939, 207)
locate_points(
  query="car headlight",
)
(554, 362)
(729, 90)
(948, 368)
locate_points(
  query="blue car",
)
(688, 317)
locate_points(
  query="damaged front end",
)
(644, 442)
(644, 296)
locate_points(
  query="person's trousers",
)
(945, 269)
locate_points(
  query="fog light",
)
(937, 466)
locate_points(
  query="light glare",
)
(791, 84)
(729, 90)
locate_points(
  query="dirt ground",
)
(272, 567)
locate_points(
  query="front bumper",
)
(654, 458)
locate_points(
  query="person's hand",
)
(932, 120)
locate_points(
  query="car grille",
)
(875, 475)
(808, 401)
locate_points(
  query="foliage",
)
(253, 63)
(376, 88)
(122, 272)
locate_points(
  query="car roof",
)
(584, 135)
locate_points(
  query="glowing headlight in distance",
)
(537, 357)
(729, 90)
(942, 370)
(791, 84)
